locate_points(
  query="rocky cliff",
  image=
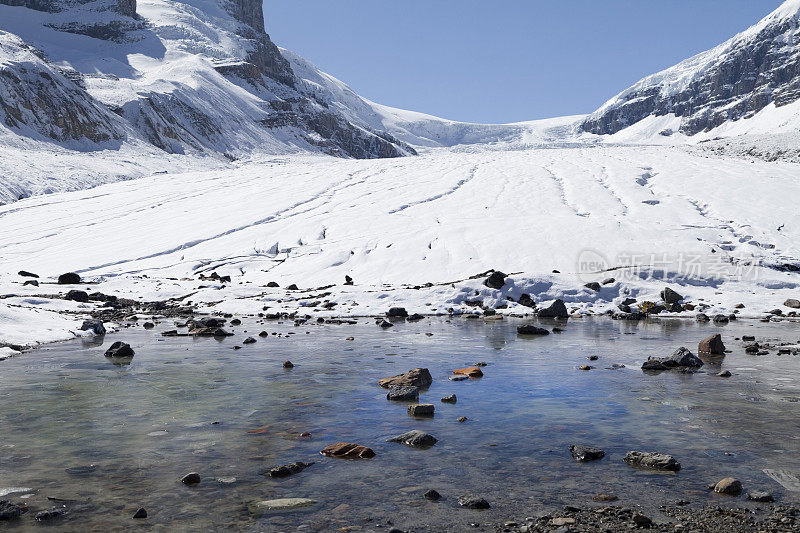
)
(735, 80)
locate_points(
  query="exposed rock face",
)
(737, 79)
(123, 7)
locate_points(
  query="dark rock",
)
(288, 470)
(249, 340)
(50, 514)
(415, 438)
(148, 325)
(288, 364)
(140, 513)
(26, 274)
(385, 324)
(403, 394)
(450, 399)
(556, 310)
(70, 278)
(605, 497)
(608, 281)
(670, 296)
(729, 485)
(432, 495)
(421, 410)
(77, 296)
(530, 329)
(496, 280)
(397, 312)
(655, 309)
(473, 502)
(641, 520)
(760, 496)
(32, 282)
(681, 357)
(418, 377)
(415, 317)
(94, 325)
(292, 287)
(776, 312)
(702, 317)
(526, 300)
(348, 280)
(624, 308)
(236, 322)
(205, 322)
(652, 461)
(584, 454)
(192, 478)
(346, 450)
(120, 350)
(593, 285)
(272, 285)
(791, 302)
(724, 374)
(721, 319)
(712, 345)
(9, 511)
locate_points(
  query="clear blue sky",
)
(502, 61)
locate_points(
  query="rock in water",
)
(712, 345)
(670, 296)
(584, 454)
(421, 409)
(259, 508)
(9, 511)
(50, 514)
(418, 377)
(397, 312)
(70, 278)
(681, 357)
(403, 394)
(652, 461)
(530, 329)
(77, 296)
(288, 470)
(140, 513)
(472, 371)
(556, 310)
(729, 485)
(450, 399)
(288, 364)
(346, 450)
(120, 350)
(385, 324)
(760, 496)
(432, 495)
(95, 326)
(496, 280)
(249, 340)
(473, 502)
(192, 478)
(415, 439)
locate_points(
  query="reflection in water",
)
(107, 439)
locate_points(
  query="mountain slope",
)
(758, 68)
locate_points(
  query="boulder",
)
(31, 282)
(120, 350)
(593, 286)
(421, 409)
(415, 438)
(473, 502)
(140, 513)
(347, 450)
(70, 278)
(556, 310)
(9, 511)
(681, 357)
(418, 377)
(403, 394)
(432, 495)
(26, 274)
(712, 345)
(729, 485)
(793, 303)
(530, 329)
(496, 280)
(471, 371)
(192, 478)
(760, 496)
(702, 317)
(652, 461)
(721, 319)
(249, 340)
(288, 470)
(77, 296)
(526, 300)
(272, 285)
(96, 326)
(584, 454)
(670, 296)
(397, 312)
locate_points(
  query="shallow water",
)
(199, 405)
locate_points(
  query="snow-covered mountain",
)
(755, 71)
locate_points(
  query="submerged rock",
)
(418, 377)
(120, 350)
(760, 496)
(530, 329)
(403, 394)
(415, 438)
(259, 508)
(346, 450)
(652, 461)
(584, 454)
(473, 502)
(9, 511)
(288, 470)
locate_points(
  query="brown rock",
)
(471, 371)
(419, 377)
(605, 497)
(712, 345)
(729, 485)
(348, 451)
